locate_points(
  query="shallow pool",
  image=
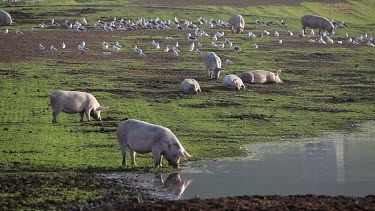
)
(338, 164)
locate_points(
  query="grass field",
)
(326, 87)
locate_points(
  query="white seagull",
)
(255, 46)
(63, 45)
(166, 49)
(53, 48)
(191, 48)
(228, 61)
(41, 47)
(6, 31)
(19, 32)
(236, 48)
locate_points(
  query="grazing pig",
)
(261, 77)
(190, 86)
(233, 82)
(5, 18)
(72, 102)
(237, 23)
(213, 65)
(317, 22)
(143, 137)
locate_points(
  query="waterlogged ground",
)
(73, 165)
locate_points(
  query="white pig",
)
(190, 86)
(261, 77)
(212, 65)
(317, 22)
(237, 23)
(5, 18)
(143, 137)
(72, 102)
(233, 82)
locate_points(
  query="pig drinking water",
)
(143, 137)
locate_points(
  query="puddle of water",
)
(339, 164)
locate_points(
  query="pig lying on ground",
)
(261, 77)
(190, 86)
(72, 102)
(233, 82)
(213, 65)
(143, 137)
(317, 22)
(237, 23)
(5, 18)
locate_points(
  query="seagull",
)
(33, 30)
(54, 23)
(6, 31)
(320, 40)
(221, 45)
(191, 48)
(228, 61)
(154, 43)
(199, 45)
(168, 38)
(41, 47)
(68, 24)
(283, 23)
(280, 41)
(312, 32)
(176, 44)
(175, 52)
(312, 40)
(166, 49)
(213, 44)
(197, 51)
(137, 50)
(236, 48)
(369, 43)
(329, 40)
(276, 34)
(105, 45)
(63, 45)
(84, 22)
(214, 38)
(355, 43)
(43, 25)
(96, 27)
(255, 46)
(346, 35)
(53, 48)
(82, 47)
(350, 39)
(141, 54)
(339, 42)
(107, 53)
(288, 32)
(19, 32)
(116, 47)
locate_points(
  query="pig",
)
(237, 23)
(5, 18)
(190, 86)
(233, 82)
(143, 137)
(261, 77)
(72, 102)
(317, 22)
(213, 65)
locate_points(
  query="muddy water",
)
(338, 164)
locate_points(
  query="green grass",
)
(325, 89)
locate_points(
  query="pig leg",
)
(54, 115)
(304, 29)
(123, 152)
(157, 158)
(87, 115)
(132, 155)
(82, 114)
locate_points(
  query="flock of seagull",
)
(123, 25)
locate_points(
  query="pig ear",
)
(186, 153)
(278, 72)
(100, 108)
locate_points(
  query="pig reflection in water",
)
(173, 184)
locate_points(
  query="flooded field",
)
(338, 164)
